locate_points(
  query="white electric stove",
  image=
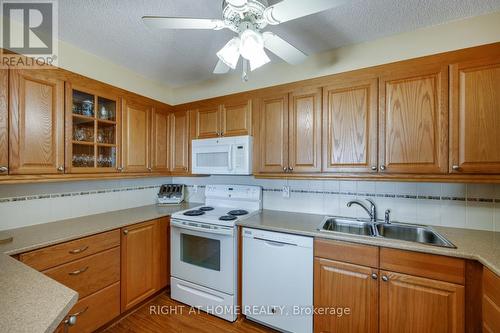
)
(204, 248)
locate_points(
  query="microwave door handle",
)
(230, 158)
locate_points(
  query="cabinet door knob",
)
(150, 169)
(290, 169)
(374, 168)
(125, 232)
(285, 169)
(374, 276)
(382, 167)
(385, 278)
(455, 168)
(3, 169)
(60, 169)
(120, 169)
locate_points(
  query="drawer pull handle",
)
(80, 250)
(7, 240)
(80, 313)
(80, 271)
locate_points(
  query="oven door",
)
(203, 254)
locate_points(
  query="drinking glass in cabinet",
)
(106, 157)
(83, 133)
(83, 104)
(106, 109)
(83, 161)
(106, 134)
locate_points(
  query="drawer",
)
(89, 274)
(431, 266)
(59, 254)
(358, 254)
(96, 310)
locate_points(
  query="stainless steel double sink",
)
(398, 231)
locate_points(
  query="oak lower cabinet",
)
(91, 267)
(491, 302)
(179, 142)
(290, 132)
(422, 293)
(144, 253)
(36, 117)
(4, 122)
(136, 136)
(413, 120)
(233, 118)
(475, 117)
(415, 304)
(342, 285)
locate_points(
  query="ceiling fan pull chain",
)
(244, 74)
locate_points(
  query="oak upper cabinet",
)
(415, 304)
(93, 119)
(274, 133)
(139, 257)
(350, 134)
(160, 140)
(207, 122)
(36, 136)
(304, 130)
(136, 136)
(4, 122)
(236, 118)
(349, 286)
(233, 118)
(475, 117)
(179, 142)
(413, 133)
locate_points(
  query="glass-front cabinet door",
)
(92, 130)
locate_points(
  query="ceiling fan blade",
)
(288, 10)
(160, 22)
(238, 4)
(221, 68)
(283, 49)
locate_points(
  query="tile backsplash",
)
(29, 204)
(471, 206)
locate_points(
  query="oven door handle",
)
(220, 231)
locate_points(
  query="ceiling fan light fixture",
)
(230, 53)
(252, 43)
(259, 59)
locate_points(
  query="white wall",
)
(471, 206)
(79, 61)
(431, 40)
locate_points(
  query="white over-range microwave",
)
(222, 156)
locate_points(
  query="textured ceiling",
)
(113, 29)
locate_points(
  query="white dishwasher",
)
(278, 280)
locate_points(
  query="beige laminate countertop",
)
(483, 246)
(29, 300)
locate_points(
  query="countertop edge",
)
(365, 240)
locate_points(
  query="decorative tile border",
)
(75, 194)
(342, 193)
(388, 195)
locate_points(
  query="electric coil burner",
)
(196, 212)
(238, 212)
(206, 209)
(227, 218)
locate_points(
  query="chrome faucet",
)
(372, 211)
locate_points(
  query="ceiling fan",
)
(248, 18)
